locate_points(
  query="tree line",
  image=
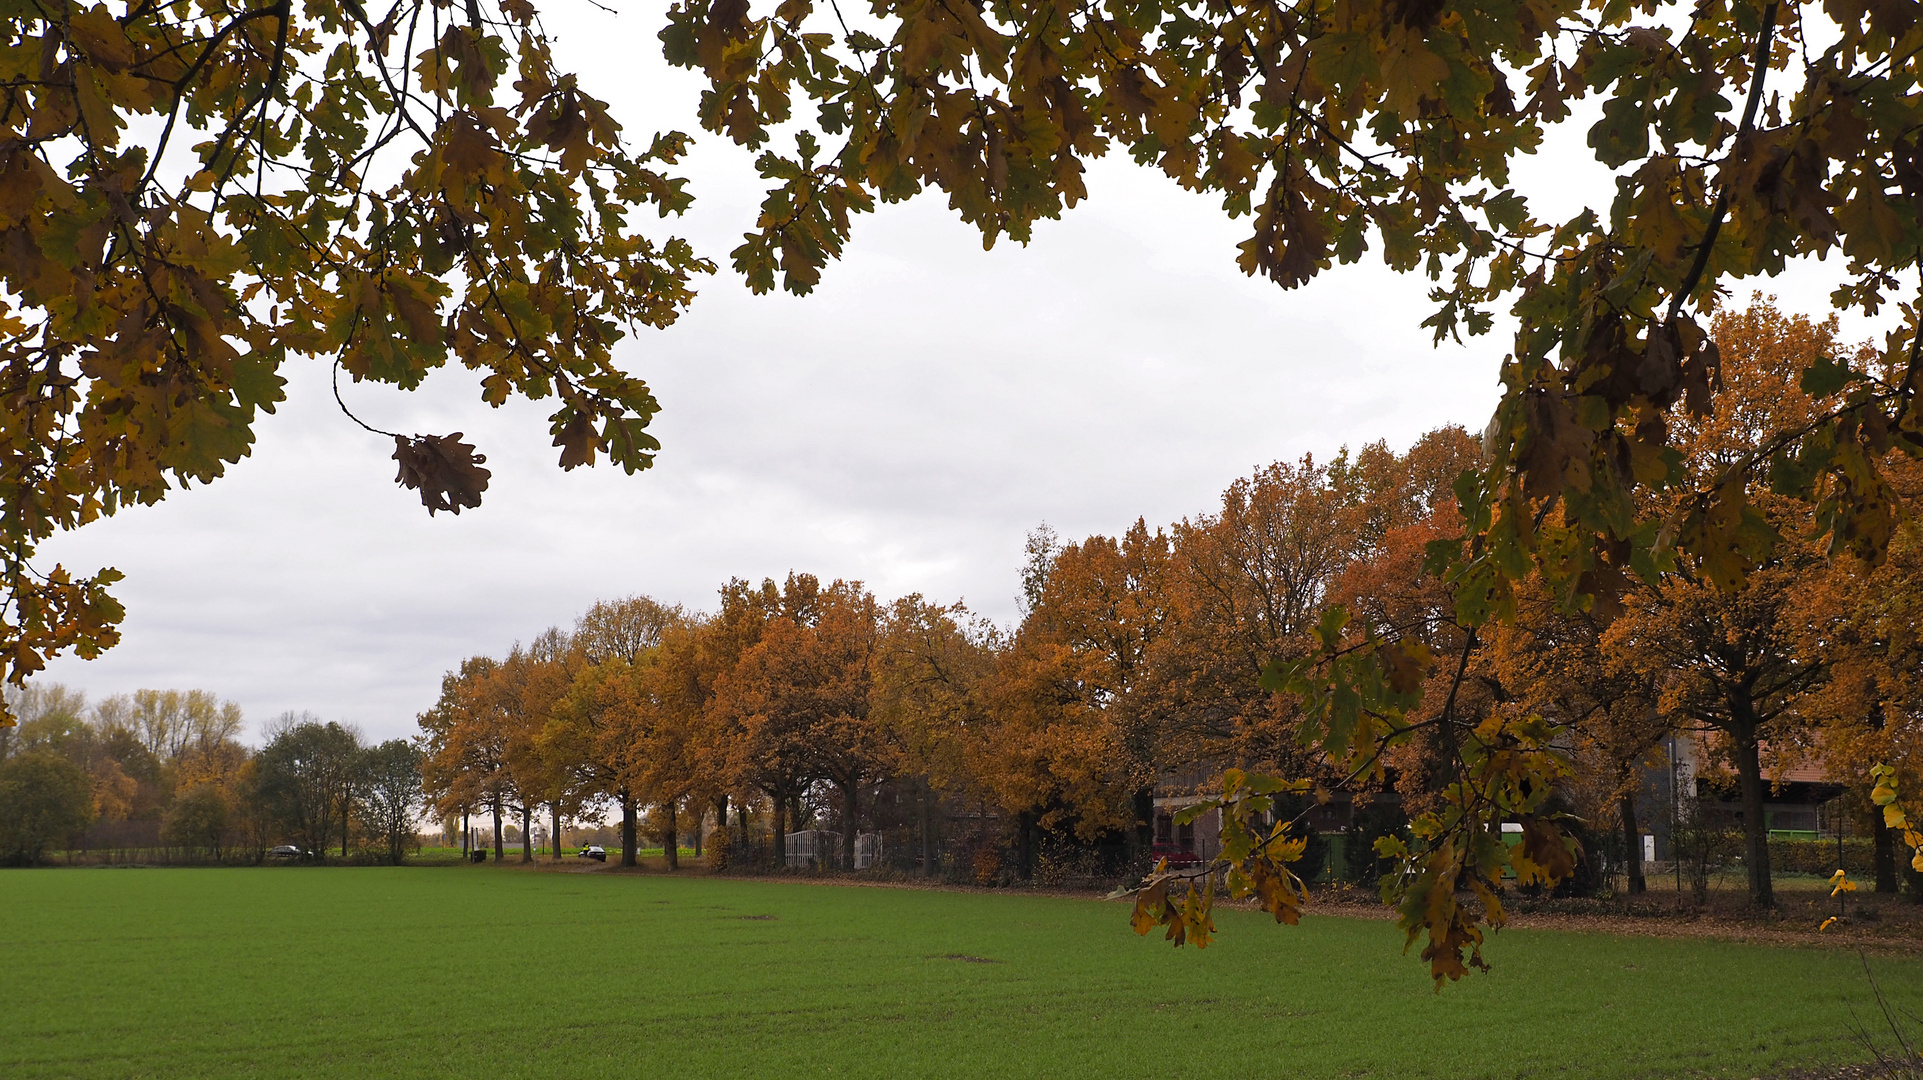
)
(166, 769)
(1138, 665)
(1141, 663)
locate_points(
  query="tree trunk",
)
(527, 833)
(1141, 838)
(781, 831)
(742, 846)
(464, 833)
(344, 814)
(554, 818)
(1885, 856)
(1025, 845)
(927, 833)
(498, 848)
(627, 828)
(1633, 838)
(673, 839)
(848, 808)
(1749, 769)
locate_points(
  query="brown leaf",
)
(1290, 240)
(446, 471)
(101, 38)
(1660, 372)
(577, 440)
(1406, 664)
(1702, 377)
(729, 16)
(1416, 14)
(1234, 68)
(1545, 856)
(1555, 440)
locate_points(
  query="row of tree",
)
(1137, 663)
(166, 768)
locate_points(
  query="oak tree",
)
(1337, 126)
(194, 195)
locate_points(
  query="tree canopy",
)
(153, 293)
(193, 194)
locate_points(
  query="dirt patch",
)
(967, 959)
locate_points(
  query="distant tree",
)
(834, 671)
(198, 819)
(624, 629)
(668, 741)
(1871, 708)
(1066, 746)
(932, 666)
(307, 773)
(168, 722)
(31, 705)
(754, 744)
(768, 703)
(463, 753)
(602, 733)
(525, 692)
(1740, 656)
(391, 795)
(1579, 670)
(44, 799)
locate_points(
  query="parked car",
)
(1178, 857)
(595, 852)
(288, 851)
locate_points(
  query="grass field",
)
(491, 972)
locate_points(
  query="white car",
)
(288, 851)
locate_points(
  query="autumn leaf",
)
(446, 471)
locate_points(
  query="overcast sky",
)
(906, 426)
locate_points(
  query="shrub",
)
(1377, 819)
(1315, 854)
(1818, 857)
(44, 799)
(197, 820)
(988, 865)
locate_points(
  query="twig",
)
(1760, 68)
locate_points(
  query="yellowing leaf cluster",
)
(155, 286)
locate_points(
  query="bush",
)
(44, 799)
(1315, 854)
(1818, 857)
(197, 820)
(988, 865)
(1377, 819)
(1591, 866)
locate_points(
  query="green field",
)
(479, 972)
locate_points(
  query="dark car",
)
(595, 852)
(288, 851)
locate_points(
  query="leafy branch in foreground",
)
(1733, 143)
(191, 194)
(1358, 694)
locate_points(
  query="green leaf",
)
(1826, 376)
